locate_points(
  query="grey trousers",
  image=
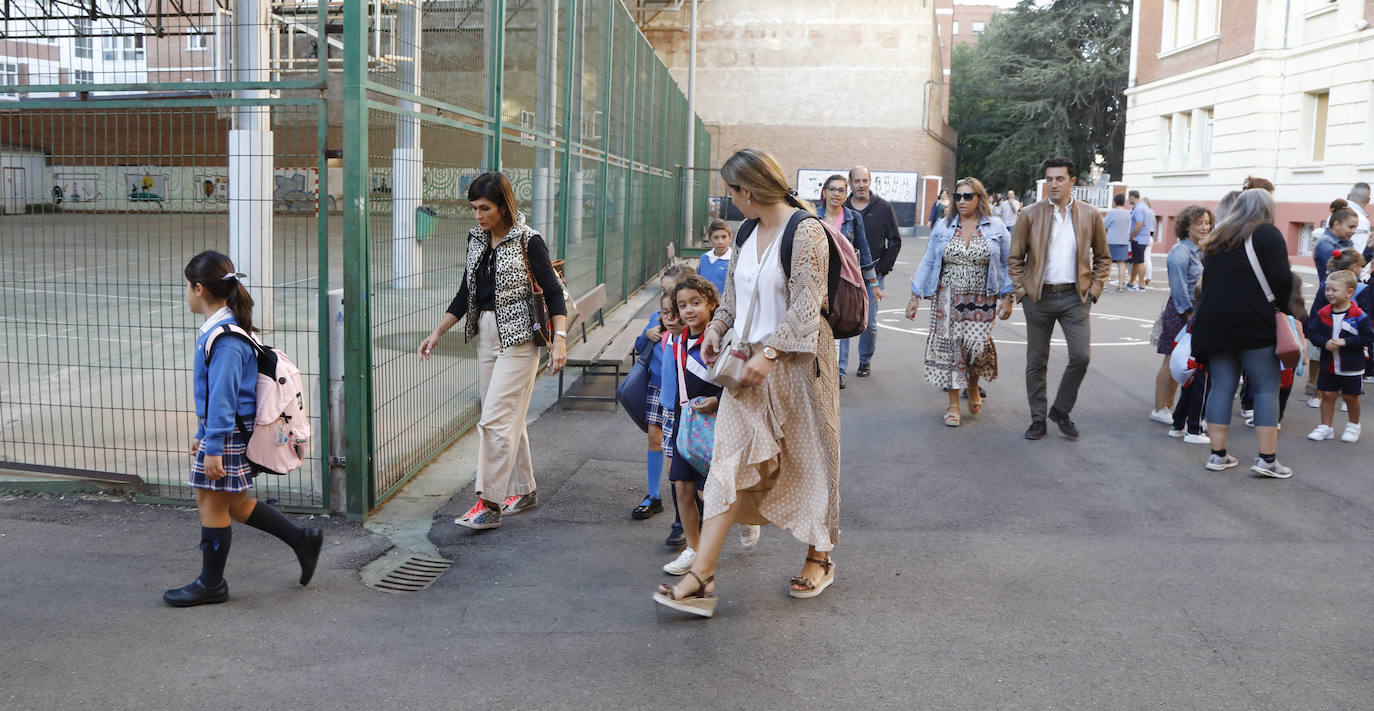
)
(1071, 312)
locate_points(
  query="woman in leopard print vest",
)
(495, 298)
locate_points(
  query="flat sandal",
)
(699, 602)
(813, 589)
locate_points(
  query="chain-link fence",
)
(325, 146)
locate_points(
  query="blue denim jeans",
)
(1261, 368)
(868, 340)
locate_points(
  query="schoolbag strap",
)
(785, 255)
(1259, 272)
(242, 430)
(234, 330)
(746, 228)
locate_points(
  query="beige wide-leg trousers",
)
(504, 466)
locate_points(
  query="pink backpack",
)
(280, 440)
(845, 289)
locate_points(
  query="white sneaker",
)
(1270, 469)
(1247, 414)
(1322, 432)
(1176, 432)
(1344, 407)
(682, 563)
(1191, 438)
(1163, 416)
(749, 535)
(1314, 402)
(1352, 433)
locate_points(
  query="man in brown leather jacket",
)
(1059, 264)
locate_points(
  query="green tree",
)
(1042, 80)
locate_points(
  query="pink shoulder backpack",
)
(280, 440)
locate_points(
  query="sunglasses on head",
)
(965, 196)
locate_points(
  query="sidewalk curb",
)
(407, 517)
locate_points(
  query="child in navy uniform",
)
(1341, 329)
(715, 263)
(225, 394)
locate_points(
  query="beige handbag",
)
(734, 349)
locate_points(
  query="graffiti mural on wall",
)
(78, 187)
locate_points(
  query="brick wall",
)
(1237, 39)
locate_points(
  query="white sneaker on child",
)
(1163, 416)
(681, 564)
(1176, 432)
(1314, 402)
(1344, 407)
(1352, 432)
(1322, 432)
(1191, 438)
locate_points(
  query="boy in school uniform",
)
(1342, 331)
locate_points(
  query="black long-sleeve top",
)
(880, 223)
(1233, 314)
(540, 263)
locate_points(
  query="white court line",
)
(89, 293)
(1127, 341)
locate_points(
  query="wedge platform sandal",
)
(699, 602)
(812, 589)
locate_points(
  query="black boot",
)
(210, 588)
(306, 542)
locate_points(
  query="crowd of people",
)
(744, 367)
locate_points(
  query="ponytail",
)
(241, 303)
(800, 204)
(216, 273)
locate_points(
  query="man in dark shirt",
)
(880, 222)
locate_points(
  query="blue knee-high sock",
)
(654, 463)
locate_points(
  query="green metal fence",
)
(570, 102)
(323, 161)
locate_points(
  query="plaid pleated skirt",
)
(653, 410)
(238, 473)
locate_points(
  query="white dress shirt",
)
(1361, 236)
(1061, 258)
(772, 288)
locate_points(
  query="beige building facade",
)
(1224, 89)
(820, 84)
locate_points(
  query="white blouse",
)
(772, 283)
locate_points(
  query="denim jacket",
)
(927, 279)
(853, 230)
(1185, 270)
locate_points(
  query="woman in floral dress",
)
(965, 271)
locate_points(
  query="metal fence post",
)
(496, 58)
(357, 276)
(607, 54)
(565, 168)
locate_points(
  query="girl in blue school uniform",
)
(715, 263)
(696, 302)
(655, 335)
(225, 395)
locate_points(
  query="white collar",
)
(1068, 209)
(711, 255)
(1359, 208)
(215, 318)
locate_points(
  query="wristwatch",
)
(770, 353)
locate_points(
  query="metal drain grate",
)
(413, 573)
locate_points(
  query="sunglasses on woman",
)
(964, 196)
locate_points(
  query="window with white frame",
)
(1320, 103)
(83, 76)
(195, 40)
(126, 47)
(1208, 119)
(955, 30)
(1189, 21)
(1185, 143)
(9, 76)
(81, 44)
(978, 28)
(1166, 141)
